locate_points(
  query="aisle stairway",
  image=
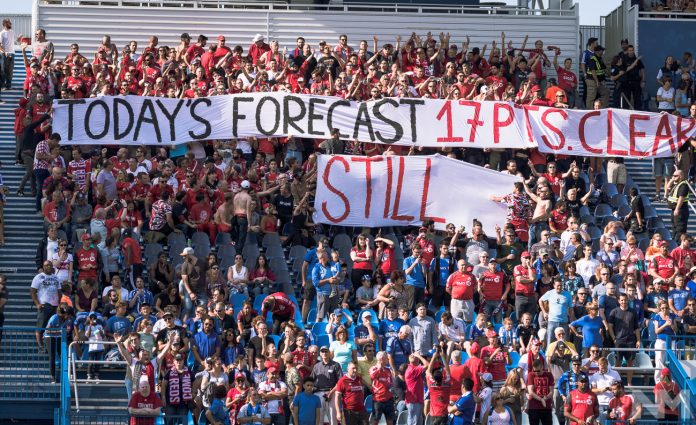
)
(641, 171)
(24, 376)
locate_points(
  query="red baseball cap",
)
(665, 372)
(490, 333)
(536, 88)
(526, 254)
(662, 243)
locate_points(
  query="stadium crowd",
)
(181, 255)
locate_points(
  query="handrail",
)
(693, 192)
(679, 375)
(665, 14)
(64, 380)
(72, 368)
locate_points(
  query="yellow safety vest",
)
(673, 198)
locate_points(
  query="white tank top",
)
(496, 418)
(239, 275)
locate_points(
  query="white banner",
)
(136, 120)
(405, 190)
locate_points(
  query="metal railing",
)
(24, 370)
(115, 419)
(73, 360)
(693, 193)
(665, 14)
(684, 348)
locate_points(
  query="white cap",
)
(246, 184)
(487, 377)
(187, 251)
(258, 37)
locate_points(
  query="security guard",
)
(678, 202)
(596, 74)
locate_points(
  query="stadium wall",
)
(85, 24)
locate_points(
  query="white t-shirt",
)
(61, 267)
(661, 92)
(604, 380)
(7, 40)
(454, 332)
(267, 386)
(47, 288)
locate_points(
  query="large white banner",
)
(136, 120)
(398, 191)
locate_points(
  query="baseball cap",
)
(665, 372)
(239, 376)
(366, 314)
(475, 348)
(583, 378)
(662, 243)
(543, 252)
(185, 36)
(599, 47)
(576, 359)
(167, 313)
(86, 236)
(272, 369)
(300, 79)
(187, 251)
(178, 357)
(366, 277)
(422, 229)
(258, 37)
(245, 184)
(526, 254)
(487, 377)
(536, 88)
(692, 270)
(324, 348)
(338, 312)
(490, 333)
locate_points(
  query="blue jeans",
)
(188, 308)
(40, 175)
(415, 414)
(535, 228)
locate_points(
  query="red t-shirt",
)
(582, 404)
(381, 383)
(476, 367)
(559, 219)
(458, 372)
(622, 407)
(663, 266)
(137, 401)
(428, 250)
(387, 261)
(439, 397)
(414, 384)
(461, 285)
(283, 306)
(492, 285)
(555, 181)
(541, 381)
(85, 258)
(352, 394)
(363, 265)
(680, 255)
(526, 289)
(498, 362)
(566, 79)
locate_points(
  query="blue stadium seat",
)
(322, 340)
(237, 300)
(368, 403)
(276, 339)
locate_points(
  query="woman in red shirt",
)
(361, 255)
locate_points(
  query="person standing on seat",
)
(678, 202)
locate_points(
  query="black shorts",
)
(622, 355)
(310, 292)
(440, 420)
(385, 408)
(44, 314)
(355, 418)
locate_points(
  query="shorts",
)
(622, 355)
(464, 309)
(616, 173)
(44, 314)
(355, 418)
(385, 408)
(663, 167)
(310, 292)
(439, 420)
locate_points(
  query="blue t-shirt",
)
(400, 349)
(444, 269)
(118, 325)
(416, 277)
(666, 331)
(219, 412)
(312, 259)
(319, 273)
(691, 286)
(307, 405)
(389, 328)
(608, 304)
(679, 298)
(206, 344)
(467, 406)
(590, 330)
(558, 305)
(653, 299)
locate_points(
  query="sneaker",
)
(2, 102)
(89, 378)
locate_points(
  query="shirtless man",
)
(242, 213)
(542, 210)
(223, 215)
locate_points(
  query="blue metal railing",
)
(24, 370)
(115, 418)
(64, 383)
(684, 345)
